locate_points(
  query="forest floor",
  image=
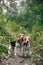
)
(16, 60)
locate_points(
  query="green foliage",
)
(28, 21)
(37, 42)
(3, 49)
(9, 29)
(35, 58)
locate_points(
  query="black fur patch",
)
(13, 43)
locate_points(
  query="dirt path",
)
(17, 60)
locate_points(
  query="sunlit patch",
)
(7, 2)
(25, 64)
(4, 11)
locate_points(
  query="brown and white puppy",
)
(26, 45)
(20, 41)
(24, 42)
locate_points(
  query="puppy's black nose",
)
(27, 41)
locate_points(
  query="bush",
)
(3, 50)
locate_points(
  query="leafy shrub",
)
(3, 49)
